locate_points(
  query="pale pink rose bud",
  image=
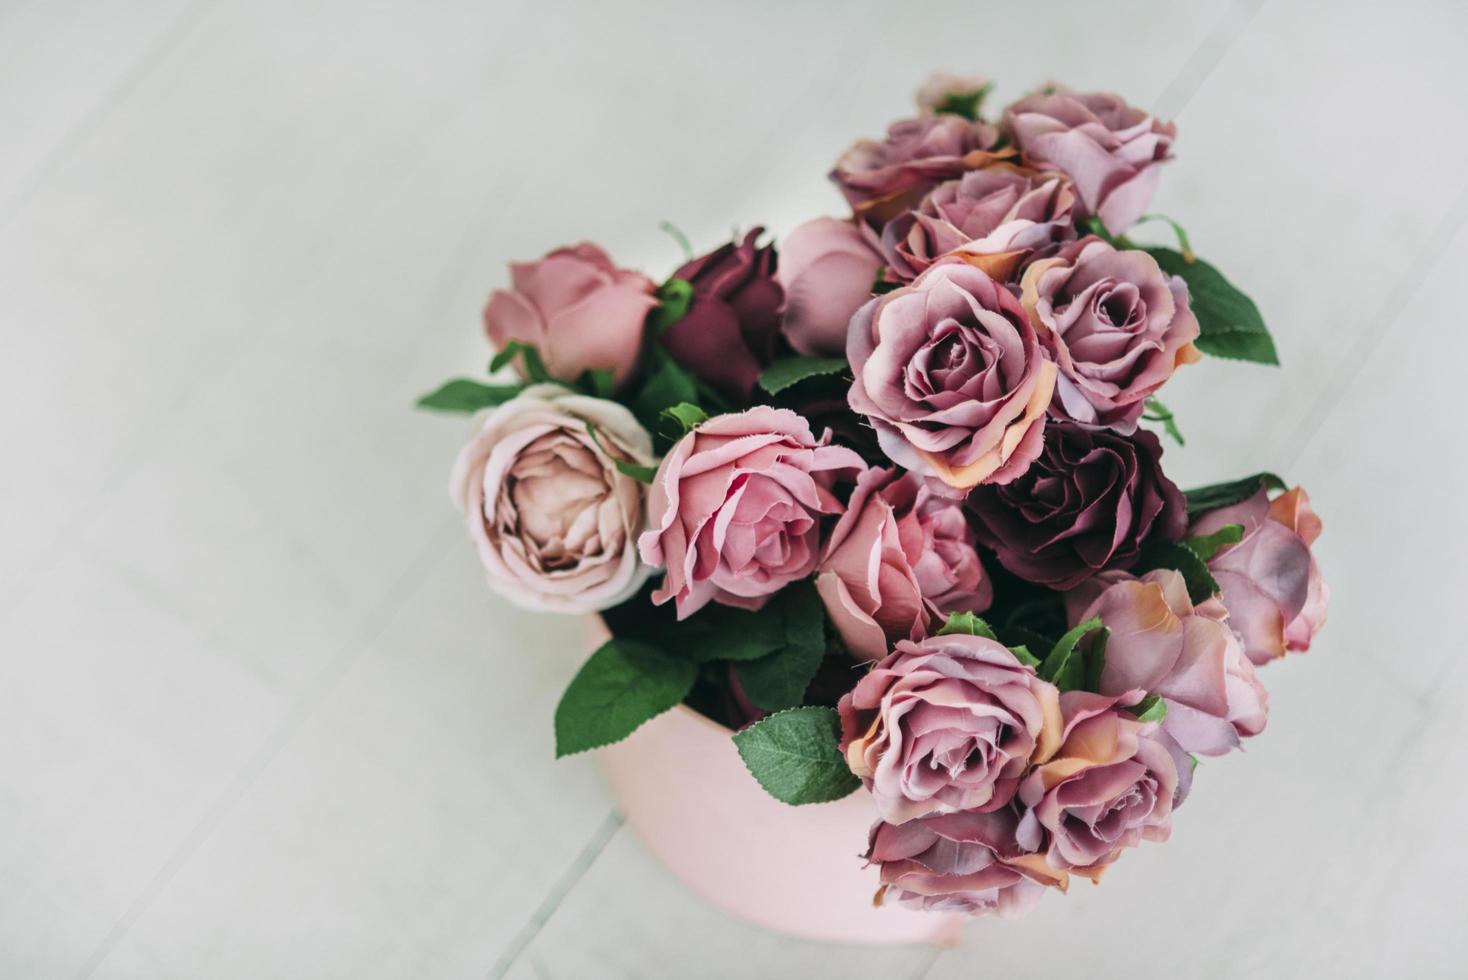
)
(827, 269)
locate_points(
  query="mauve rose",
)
(1114, 323)
(1110, 783)
(945, 724)
(1088, 503)
(996, 218)
(1270, 582)
(577, 309)
(951, 375)
(899, 559)
(881, 178)
(734, 511)
(961, 862)
(1163, 644)
(1111, 150)
(827, 269)
(941, 89)
(732, 329)
(554, 521)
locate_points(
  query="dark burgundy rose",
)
(732, 329)
(1088, 503)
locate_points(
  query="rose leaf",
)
(466, 397)
(790, 370)
(1229, 323)
(796, 756)
(625, 683)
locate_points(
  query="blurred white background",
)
(259, 716)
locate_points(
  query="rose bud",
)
(734, 511)
(951, 375)
(1188, 655)
(1110, 783)
(1088, 503)
(997, 218)
(1270, 582)
(945, 724)
(578, 310)
(882, 178)
(896, 562)
(554, 521)
(1112, 151)
(1114, 323)
(731, 331)
(827, 270)
(945, 92)
(961, 862)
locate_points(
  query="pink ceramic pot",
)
(791, 869)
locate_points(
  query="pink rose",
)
(1163, 644)
(944, 725)
(897, 560)
(952, 377)
(827, 269)
(961, 862)
(1109, 783)
(734, 511)
(554, 521)
(1112, 151)
(1114, 323)
(997, 218)
(1270, 582)
(881, 178)
(577, 309)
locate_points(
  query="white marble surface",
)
(259, 717)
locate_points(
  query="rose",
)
(951, 376)
(881, 178)
(1269, 581)
(554, 521)
(827, 270)
(1116, 326)
(1163, 644)
(997, 217)
(961, 862)
(734, 511)
(1111, 150)
(944, 92)
(945, 724)
(1089, 502)
(899, 558)
(578, 310)
(731, 331)
(1109, 783)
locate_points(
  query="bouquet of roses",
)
(884, 504)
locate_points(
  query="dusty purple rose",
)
(1163, 644)
(952, 377)
(734, 511)
(827, 269)
(998, 217)
(1112, 151)
(881, 178)
(1088, 503)
(732, 329)
(897, 560)
(577, 309)
(1110, 783)
(1114, 323)
(945, 724)
(1270, 583)
(961, 862)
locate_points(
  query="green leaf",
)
(1065, 665)
(1205, 546)
(666, 384)
(1202, 586)
(625, 683)
(796, 756)
(599, 382)
(674, 297)
(965, 104)
(463, 395)
(779, 679)
(1229, 322)
(1158, 412)
(1150, 708)
(534, 367)
(1217, 495)
(790, 370)
(966, 622)
(1023, 655)
(1096, 659)
(686, 414)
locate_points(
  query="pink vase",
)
(795, 870)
